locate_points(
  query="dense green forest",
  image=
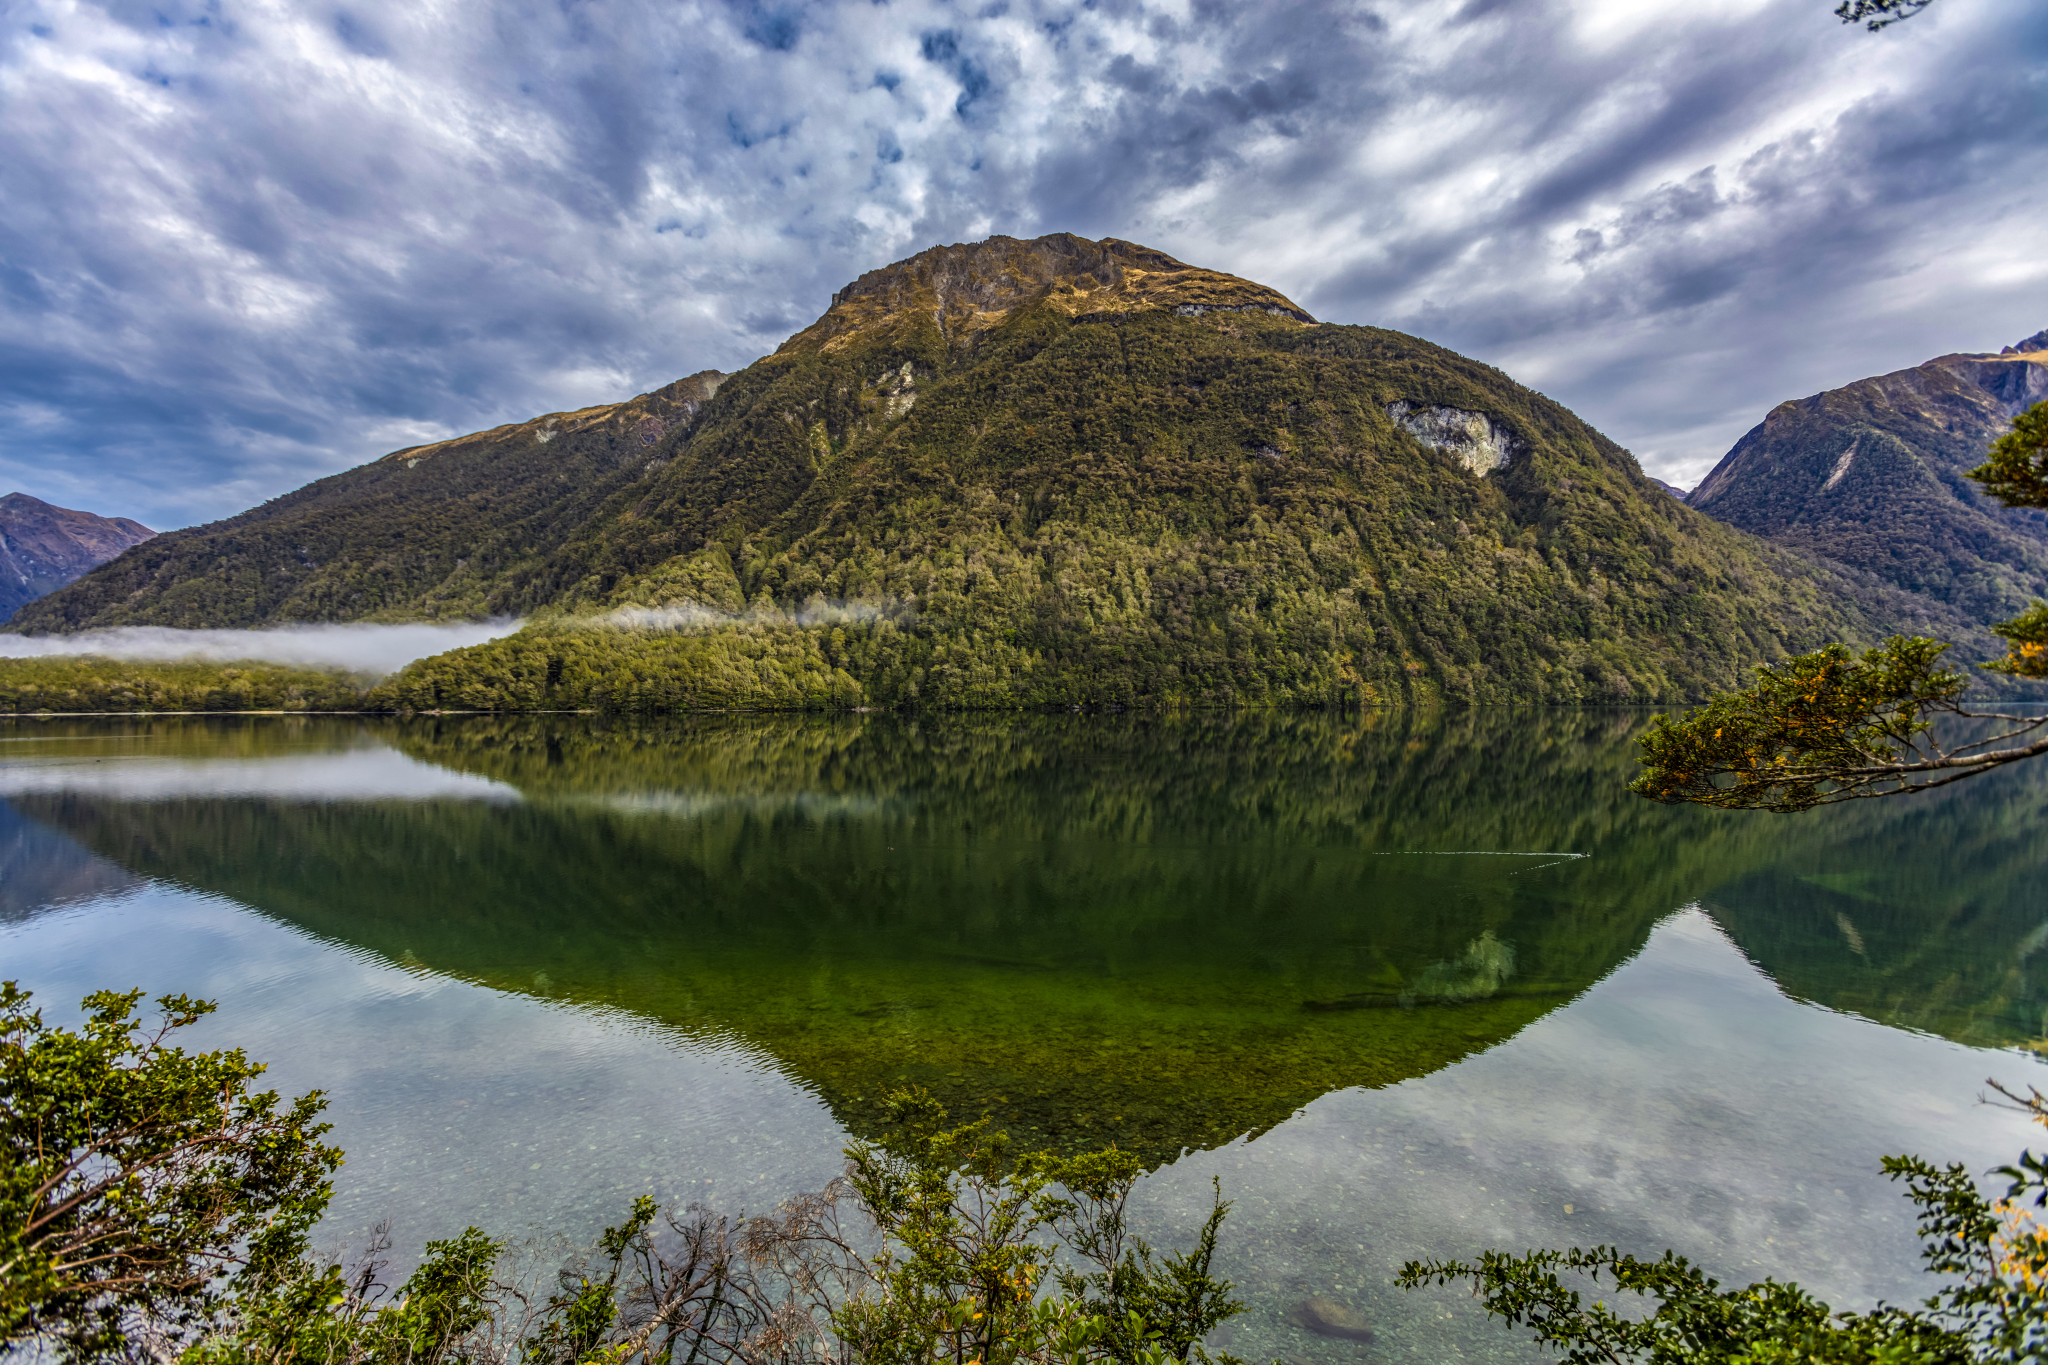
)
(92, 682)
(1023, 474)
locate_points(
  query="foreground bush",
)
(155, 1208)
(1992, 1306)
(140, 1184)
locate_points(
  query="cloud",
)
(244, 244)
(358, 646)
(366, 774)
(690, 618)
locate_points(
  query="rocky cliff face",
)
(43, 547)
(1873, 475)
(1478, 442)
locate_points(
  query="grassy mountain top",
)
(968, 289)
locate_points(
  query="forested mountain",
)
(43, 547)
(1875, 475)
(424, 533)
(1018, 473)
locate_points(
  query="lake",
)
(1407, 984)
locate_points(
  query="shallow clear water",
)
(1408, 984)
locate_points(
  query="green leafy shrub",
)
(1991, 1256)
(139, 1183)
(938, 1246)
(1825, 726)
(151, 1206)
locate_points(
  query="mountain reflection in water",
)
(1157, 931)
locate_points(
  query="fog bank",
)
(358, 646)
(689, 616)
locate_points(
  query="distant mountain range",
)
(42, 548)
(1874, 475)
(1057, 471)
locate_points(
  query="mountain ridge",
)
(407, 536)
(44, 547)
(1054, 472)
(1874, 475)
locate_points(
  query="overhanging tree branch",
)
(1825, 727)
(1829, 726)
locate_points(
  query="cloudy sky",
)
(245, 243)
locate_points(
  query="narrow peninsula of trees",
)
(96, 683)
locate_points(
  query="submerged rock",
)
(1329, 1319)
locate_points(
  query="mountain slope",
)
(1874, 475)
(420, 534)
(44, 547)
(1060, 472)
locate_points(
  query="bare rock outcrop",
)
(1481, 444)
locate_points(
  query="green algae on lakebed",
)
(1149, 1065)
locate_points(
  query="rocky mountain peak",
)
(1875, 475)
(2037, 342)
(968, 288)
(43, 547)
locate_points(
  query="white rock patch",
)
(1481, 444)
(1842, 465)
(904, 398)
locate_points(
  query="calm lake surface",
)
(1408, 985)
